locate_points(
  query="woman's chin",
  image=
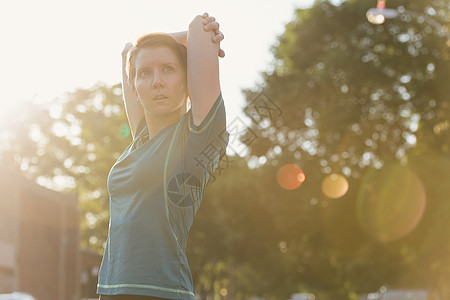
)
(164, 108)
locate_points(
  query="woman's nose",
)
(156, 80)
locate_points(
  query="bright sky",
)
(50, 47)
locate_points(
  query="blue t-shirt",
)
(155, 190)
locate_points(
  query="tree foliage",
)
(339, 78)
(70, 144)
(354, 99)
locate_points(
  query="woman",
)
(156, 185)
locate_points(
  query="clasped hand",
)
(210, 23)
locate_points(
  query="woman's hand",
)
(211, 24)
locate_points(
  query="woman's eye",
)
(168, 69)
(143, 73)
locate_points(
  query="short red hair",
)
(155, 40)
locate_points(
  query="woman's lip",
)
(159, 99)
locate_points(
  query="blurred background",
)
(336, 180)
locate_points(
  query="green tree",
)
(339, 79)
(70, 144)
(352, 96)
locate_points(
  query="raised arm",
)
(133, 107)
(202, 68)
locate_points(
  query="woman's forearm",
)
(133, 107)
(180, 37)
(127, 93)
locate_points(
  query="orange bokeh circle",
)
(290, 176)
(334, 186)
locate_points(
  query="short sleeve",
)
(212, 129)
(207, 142)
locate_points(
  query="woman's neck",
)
(156, 123)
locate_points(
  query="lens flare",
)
(301, 177)
(391, 202)
(376, 19)
(334, 186)
(381, 4)
(124, 130)
(290, 176)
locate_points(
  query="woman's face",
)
(160, 74)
